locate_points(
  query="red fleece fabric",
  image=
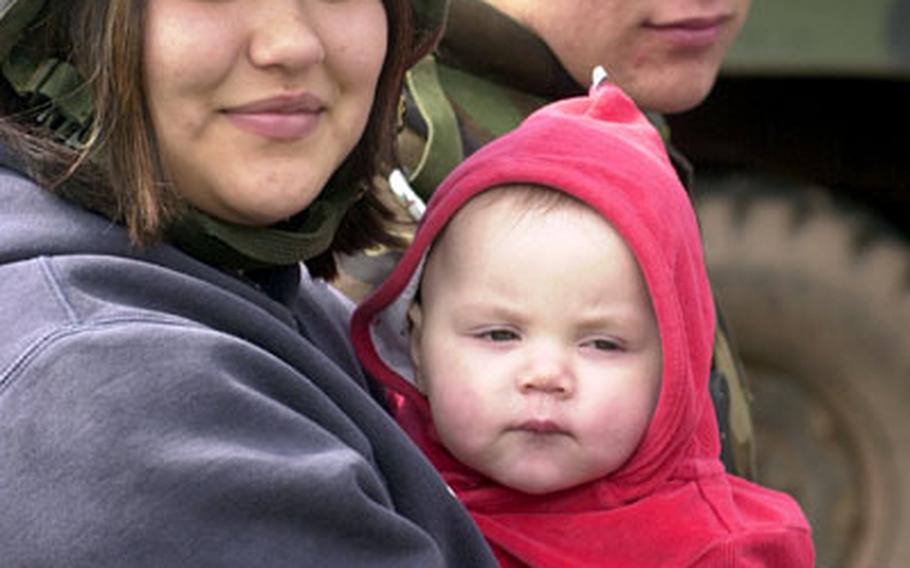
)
(671, 503)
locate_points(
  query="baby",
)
(546, 341)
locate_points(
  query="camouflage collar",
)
(239, 247)
(430, 18)
(483, 41)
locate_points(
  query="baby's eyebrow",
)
(497, 310)
(597, 318)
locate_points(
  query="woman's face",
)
(255, 103)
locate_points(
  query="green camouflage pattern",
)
(53, 80)
(430, 16)
(489, 109)
(868, 38)
(442, 145)
(43, 80)
(15, 16)
(482, 110)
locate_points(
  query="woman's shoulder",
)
(37, 221)
(55, 310)
(66, 272)
(55, 299)
(121, 430)
(106, 359)
(128, 426)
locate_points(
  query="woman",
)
(174, 390)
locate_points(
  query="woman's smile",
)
(280, 118)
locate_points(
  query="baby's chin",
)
(543, 483)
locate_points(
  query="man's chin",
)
(672, 97)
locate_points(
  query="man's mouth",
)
(700, 32)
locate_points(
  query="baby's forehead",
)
(514, 203)
(506, 211)
(525, 198)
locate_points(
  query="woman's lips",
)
(277, 126)
(692, 33)
(278, 118)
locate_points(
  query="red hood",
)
(603, 151)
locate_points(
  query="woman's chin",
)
(266, 204)
(257, 214)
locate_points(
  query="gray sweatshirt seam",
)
(35, 348)
(53, 282)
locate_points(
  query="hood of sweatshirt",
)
(603, 151)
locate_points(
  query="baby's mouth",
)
(544, 426)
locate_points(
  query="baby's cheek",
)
(455, 410)
(461, 418)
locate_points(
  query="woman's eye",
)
(499, 335)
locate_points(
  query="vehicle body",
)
(804, 196)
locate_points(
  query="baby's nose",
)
(551, 376)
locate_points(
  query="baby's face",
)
(536, 344)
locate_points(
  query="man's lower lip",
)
(689, 37)
(276, 126)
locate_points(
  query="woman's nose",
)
(287, 39)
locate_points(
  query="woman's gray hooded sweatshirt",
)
(157, 412)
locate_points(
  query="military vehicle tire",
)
(818, 301)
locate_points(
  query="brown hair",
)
(119, 173)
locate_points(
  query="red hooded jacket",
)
(671, 503)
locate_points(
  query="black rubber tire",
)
(819, 307)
